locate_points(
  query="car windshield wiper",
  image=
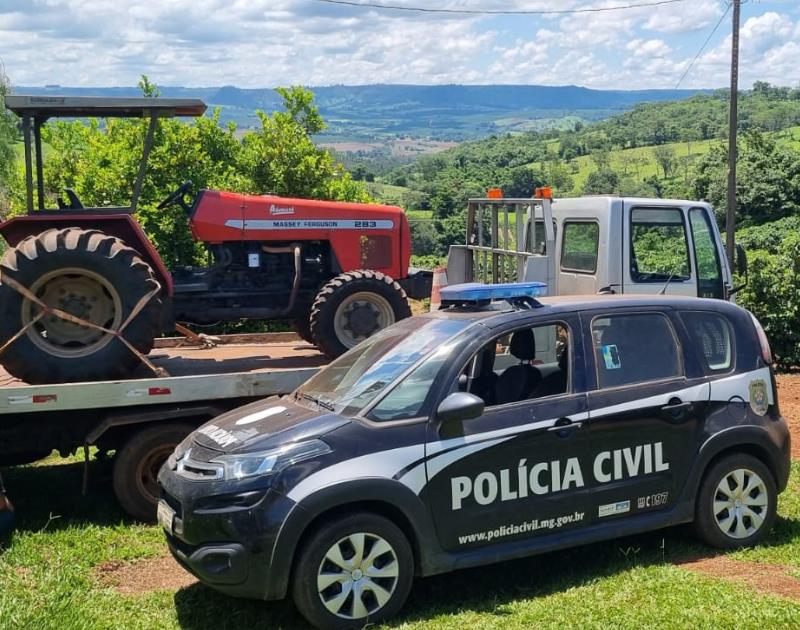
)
(318, 401)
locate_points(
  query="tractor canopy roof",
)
(43, 107)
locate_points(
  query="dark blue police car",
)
(497, 427)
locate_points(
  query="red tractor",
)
(338, 271)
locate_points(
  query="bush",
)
(773, 290)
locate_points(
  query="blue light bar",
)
(476, 292)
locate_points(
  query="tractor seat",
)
(517, 382)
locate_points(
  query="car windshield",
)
(356, 378)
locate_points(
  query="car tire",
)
(353, 306)
(326, 593)
(736, 503)
(136, 467)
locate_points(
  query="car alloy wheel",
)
(740, 503)
(358, 576)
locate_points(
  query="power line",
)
(395, 7)
(703, 47)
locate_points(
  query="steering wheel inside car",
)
(177, 197)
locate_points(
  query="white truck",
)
(597, 244)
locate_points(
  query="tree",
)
(768, 185)
(601, 158)
(521, 183)
(8, 136)
(605, 182)
(665, 158)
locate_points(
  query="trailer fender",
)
(120, 224)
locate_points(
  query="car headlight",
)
(241, 465)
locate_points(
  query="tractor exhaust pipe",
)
(297, 250)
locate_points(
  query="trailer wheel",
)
(353, 306)
(136, 467)
(90, 275)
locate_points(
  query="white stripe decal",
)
(416, 478)
(437, 447)
(310, 224)
(737, 386)
(696, 393)
(382, 464)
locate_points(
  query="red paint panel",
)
(123, 226)
(223, 216)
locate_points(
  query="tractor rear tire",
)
(354, 306)
(303, 329)
(88, 274)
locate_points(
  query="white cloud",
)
(261, 43)
(768, 52)
(665, 19)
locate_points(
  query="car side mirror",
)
(460, 406)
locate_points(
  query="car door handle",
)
(564, 426)
(676, 405)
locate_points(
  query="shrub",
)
(773, 290)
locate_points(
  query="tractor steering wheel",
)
(177, 196)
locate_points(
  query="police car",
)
(497, 427)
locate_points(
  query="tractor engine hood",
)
(263, 425)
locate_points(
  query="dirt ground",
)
(144, 576)
(789, 400)
(762, 577)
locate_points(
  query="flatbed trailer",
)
(142, 419)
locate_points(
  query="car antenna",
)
(666, 284)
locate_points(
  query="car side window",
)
(711, 333)
(525, 364)
(634, 348)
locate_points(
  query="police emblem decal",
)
(759, 401)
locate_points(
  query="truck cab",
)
(600, 244)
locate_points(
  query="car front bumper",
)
(225, 533)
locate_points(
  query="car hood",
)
(263, 425)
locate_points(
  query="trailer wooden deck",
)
(232, 354)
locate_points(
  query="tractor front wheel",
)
(354, 306)
(91, 276)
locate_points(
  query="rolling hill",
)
(439, 112)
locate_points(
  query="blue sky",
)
(264, 43)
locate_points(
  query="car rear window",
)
(711, 334)
(634, 348)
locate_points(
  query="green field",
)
(49, 576)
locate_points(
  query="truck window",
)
(623, 349)
(579, 246)
(659, 249)
(709, 274)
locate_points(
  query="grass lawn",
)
(48, 576)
